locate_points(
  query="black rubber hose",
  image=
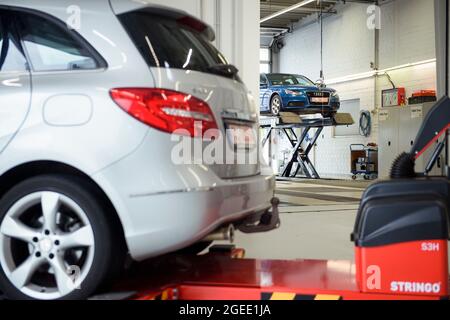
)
(403, 167)
(365, 123)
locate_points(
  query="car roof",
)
(119, 6)
(283, 74)
(60, 8)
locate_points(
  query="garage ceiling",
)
(273, 27)
(269, 7)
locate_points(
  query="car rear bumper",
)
(167, 222)
(164, 207)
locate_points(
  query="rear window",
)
(166, 43)
(51, 47)
(11, 58)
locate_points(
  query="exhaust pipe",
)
(222, 234)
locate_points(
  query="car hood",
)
(307, 88)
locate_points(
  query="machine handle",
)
(435, 125)
(357, 145)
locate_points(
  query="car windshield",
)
(304, 81)
(282, 79)
(288, 79)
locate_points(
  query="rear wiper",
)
(224, 69)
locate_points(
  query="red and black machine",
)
(401, 247)
(402, 229)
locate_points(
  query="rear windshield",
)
(166, 43)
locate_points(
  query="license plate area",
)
(241, 136)
(319, 100)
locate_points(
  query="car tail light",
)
(195, 24)
(198, 26)
(166, 110)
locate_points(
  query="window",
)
(11, 59)
(265, 60)
(352, 107)
(51, 47)
(304, 81)
(282, 79)
(262, 79)
(167, 43)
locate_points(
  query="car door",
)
(15, 82)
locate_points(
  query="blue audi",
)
(295, 93)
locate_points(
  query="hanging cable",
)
(322, 78)
(321, 40)
(390, 80)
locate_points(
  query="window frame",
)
(266, 81)
(14, 33)
(337, 131)
(95, 55)
(266, 62)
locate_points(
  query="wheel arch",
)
(25, 171)
(276, 94)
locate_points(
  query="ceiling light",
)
(288, 9)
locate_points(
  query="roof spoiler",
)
(180, 16)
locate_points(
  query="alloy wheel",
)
(275, 105)
(46, 245)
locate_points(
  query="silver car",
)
(92, 95)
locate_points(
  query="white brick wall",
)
(406, 36)
(407, 32)
(348, 45)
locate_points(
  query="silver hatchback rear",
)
(98, 101)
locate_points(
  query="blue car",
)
(296, 93)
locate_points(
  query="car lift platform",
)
(299, 159)
(223, 274)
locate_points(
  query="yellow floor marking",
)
(283, 296)
(325, 297)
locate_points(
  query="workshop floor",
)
(317, 220)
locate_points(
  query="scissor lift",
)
(287, 123)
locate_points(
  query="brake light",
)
(166, 110)
(195, 24)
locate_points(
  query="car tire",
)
(51, 226)
(275, 105)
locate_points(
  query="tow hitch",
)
(270, 220)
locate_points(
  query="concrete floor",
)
(317, 220)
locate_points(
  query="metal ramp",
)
(286, 123)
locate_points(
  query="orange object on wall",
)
(424, 93)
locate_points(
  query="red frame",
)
(223, 276)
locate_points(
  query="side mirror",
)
(263, 86)
(321, 84)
